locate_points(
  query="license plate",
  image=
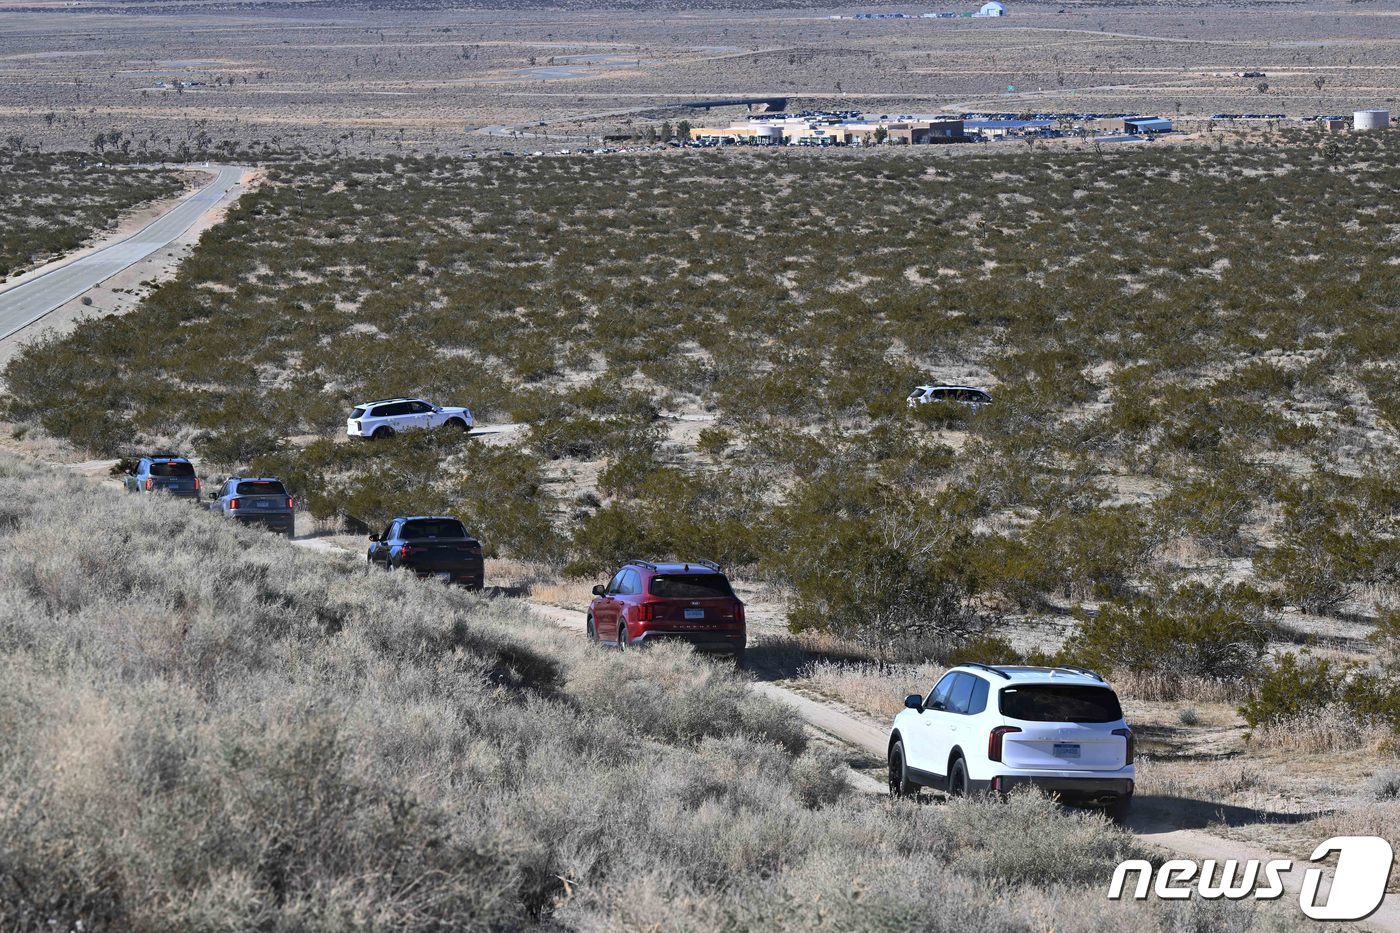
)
(262, 505)
(695, 613)
(447, 575)
(1065, 750)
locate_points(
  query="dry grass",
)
(1330, 729)
(1162, 686)
(871, 687)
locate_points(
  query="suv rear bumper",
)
(1075, 789)
(472, 576)
(281, 523)
(731, 642)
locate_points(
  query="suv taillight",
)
(994, 741)
(1128, 735)
(150, 484)
(646, 612)
(405, 551)
(196, 484)
(291, 503)
(739, 613)
(233, 505)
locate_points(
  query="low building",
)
(1335, 124)
(991, 9)
(756, 134)
(998, 129)
(1146, 126)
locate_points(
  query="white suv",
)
(962, 395)
(985, 728)
(387, 417)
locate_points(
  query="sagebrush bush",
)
(1195, 630)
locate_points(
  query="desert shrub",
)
(1193, 630)
(870, 564)
(671, 514)
(1293, 686)
(1386, 637)
(1332, 542)
(1384, 784)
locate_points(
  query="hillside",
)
(205, 728)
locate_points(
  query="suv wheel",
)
(957, 779)
(589, 630)
(456, 424)
(900, 785)
(622, 634)
(383, 433)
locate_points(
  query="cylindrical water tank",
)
(1370, 119)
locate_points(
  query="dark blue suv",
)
(173, 475)
(435, 546)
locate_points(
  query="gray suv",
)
(172, 475)
(256, 501)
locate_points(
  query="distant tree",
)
(881, 134)
(683, 130)
(666, 131)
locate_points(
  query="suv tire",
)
(957, 778)
(383, 433)
(456, 424)
(589, 631)
(622, 636)
(900, 785)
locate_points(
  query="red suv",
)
(646, 603)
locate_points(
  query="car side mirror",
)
(374, 537)
(913, 701)
(598, 589)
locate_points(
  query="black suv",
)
(430, 546)
(256, 501)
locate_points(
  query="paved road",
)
(23, 304)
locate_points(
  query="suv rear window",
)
(433, 528)
(172, 468)
(261, 488)
(691, 586)
(357, 413)
(1056, 703)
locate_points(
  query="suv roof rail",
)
(709, 563)
(988, 668)
(1079, 670)
(644, 563)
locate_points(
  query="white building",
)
(991, 9)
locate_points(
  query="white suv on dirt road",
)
(985, 728)
(387, 417)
